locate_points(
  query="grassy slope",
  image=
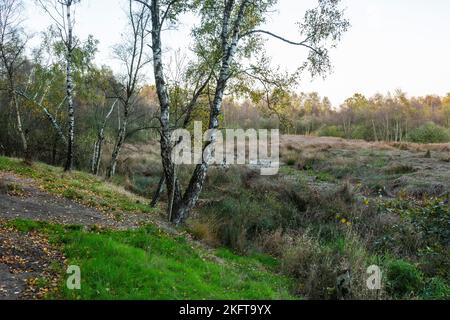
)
(145, 263)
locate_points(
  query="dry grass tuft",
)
(399, 168)
(317, 267)
(274, 243)
(205, 231)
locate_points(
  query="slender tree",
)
(62, 13)
(12, 46)
(98, 146)
(132, 53)
(45, 75)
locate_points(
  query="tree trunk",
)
(98, 156)
(117, 148)
(69, 85)
(374, 131)
(158, 192)
(47, 113)
(182, 208)
(95, 158)
(163, 96)
(15, 102)
(98, 146)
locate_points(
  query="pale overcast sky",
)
(392, 44)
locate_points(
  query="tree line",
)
(393, 117)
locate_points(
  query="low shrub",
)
(312, 265)
(404, 280)
(430, 133)
(274, 243)
(291, 160)
(331, 131)
(238, 222)
(204, 230)
(318, 266)
(362, 132)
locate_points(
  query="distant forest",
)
(391, 117)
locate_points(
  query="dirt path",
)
(21, 199)
(24, 259)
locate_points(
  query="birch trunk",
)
(374, 131)
(47, 113)
(189, 109)
(98, 146)
(15, 103)
(118, 146)
(69, 85)
(163, 96)
(158, 192)
(182, 208)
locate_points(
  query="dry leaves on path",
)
(30, 267)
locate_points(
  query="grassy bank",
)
(148, 264)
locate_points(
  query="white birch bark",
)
(98, 146)
(69, 90)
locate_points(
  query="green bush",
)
(306, 125)
(331, 131)
(362, 132)
(430, 133)
(403, 279)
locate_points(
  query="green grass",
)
(148, 264)
(78, 186)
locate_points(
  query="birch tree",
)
(132, 53)
(47, 75)
(187, 86)
(62, 14)
(229, 35)
(13, 41)
(98, 145)
(44, 78)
